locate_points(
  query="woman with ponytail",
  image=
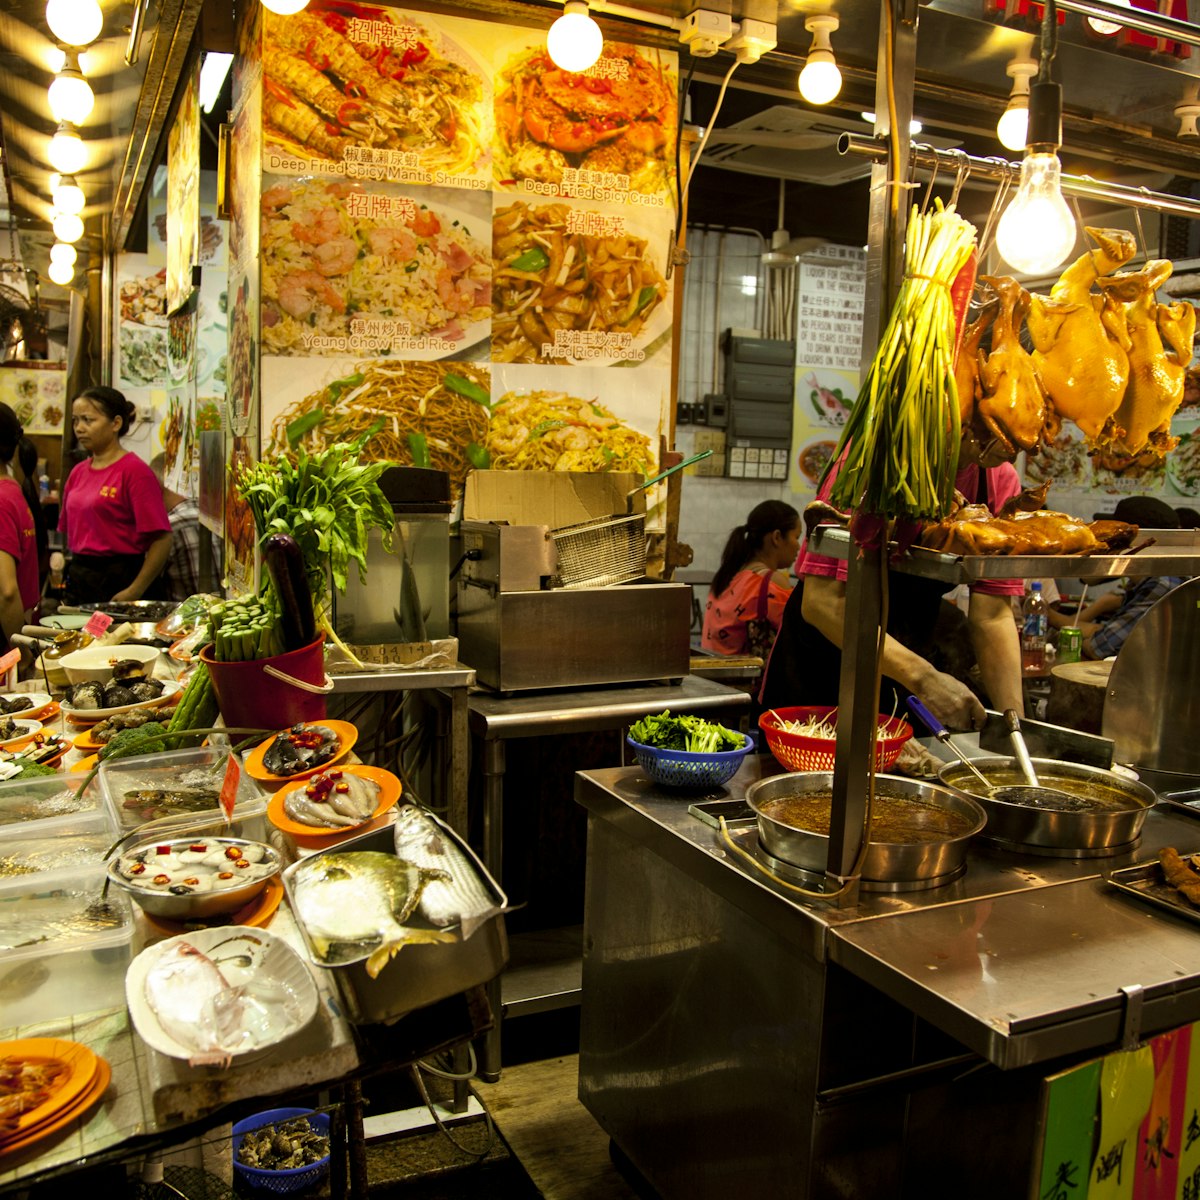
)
(20, 590)
(751, 586)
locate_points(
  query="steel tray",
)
(1146, 883)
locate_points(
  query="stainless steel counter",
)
(1022, 961)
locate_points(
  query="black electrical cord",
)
(681, 107)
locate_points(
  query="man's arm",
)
(997, 649)
(157, 554)
(948, 699)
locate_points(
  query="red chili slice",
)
(414, 54)
(317, 62)
(346, 111)
(234, 852)
(162, 849)
(335, 21)
(242, 863)
(137, 869)
(191, 881)
(162, 879)
(225, 875)
(199, 848)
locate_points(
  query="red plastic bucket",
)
(250, 696)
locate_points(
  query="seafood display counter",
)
(735, 1034)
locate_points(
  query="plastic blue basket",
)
(682, 769)
(294, 1179)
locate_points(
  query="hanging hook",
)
(1003, 187)
(932, 177)
(962, 173)
(1137, 217)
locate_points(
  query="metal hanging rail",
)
(1171, 28)
(997, 169)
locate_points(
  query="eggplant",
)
(285, 562)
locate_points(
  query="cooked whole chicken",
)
(1156, 371)
(1011, 402)
(966, 366)
(1081, 343)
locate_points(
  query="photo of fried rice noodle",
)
(321, 267)
(553, 431)
(322, 93)
(545, 279)
(425, 414)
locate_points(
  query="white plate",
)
(26, 727)
(89, 716)
(270, 959)
(40, 700)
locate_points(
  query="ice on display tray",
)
(173, 789)
(1175, 552)
(55, 859)
(46, 805)
(59, 943)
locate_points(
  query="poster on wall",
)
(183, 192)
(377, 94)
(245, 178)
(37, 395)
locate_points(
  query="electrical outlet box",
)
(704, 31)
(752, 40)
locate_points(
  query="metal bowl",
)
(885, 862)
(194, 906)
(1052, 828)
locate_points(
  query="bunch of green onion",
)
(903, 431)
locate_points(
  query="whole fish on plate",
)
(194, 1004)
(333, 799)
(459, 895)
(356, 904)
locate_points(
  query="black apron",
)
(94, 578)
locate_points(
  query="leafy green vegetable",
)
(690, 733)
(535, 259)
(30, 769)
(418, 447)
(467, 388)
(478, 456)
(338, 386)
(301, 425)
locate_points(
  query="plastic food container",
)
(201, 769)
(47, 805)
(56, 859)
(45, 979)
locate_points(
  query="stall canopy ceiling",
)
(1119, 100)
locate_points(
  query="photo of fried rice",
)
(367, 77)
(421, 414)
(416, 270)
(617, 117)
(562, 295)
(554, 431)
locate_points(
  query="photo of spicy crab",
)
(345, 82)
(617, 119)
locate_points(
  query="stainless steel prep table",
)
(496, 719)
(820, 1041)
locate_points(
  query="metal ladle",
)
(942, 734)
(1033, 793)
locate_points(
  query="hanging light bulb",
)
(1108, 28)
(68, 227)
(63, 252)
(75, 22)
(67, 152)
(71, 97)
(285, 8)
(820, 80)
(1013, 125)
(68, 196)
(574, 41)
(61, 272)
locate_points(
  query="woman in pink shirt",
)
(113, 515)
(19, 586)
(752, 583)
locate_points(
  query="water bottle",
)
(44, 489)
(1034, 623)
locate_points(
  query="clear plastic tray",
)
(40, 807)
(193, 769)
(54, 860)
(54, 960)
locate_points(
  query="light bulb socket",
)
(1045, 118)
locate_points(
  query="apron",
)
(94, 579)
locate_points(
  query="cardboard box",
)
(550, 498)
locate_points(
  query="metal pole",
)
(927, 158)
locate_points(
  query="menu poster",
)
(240, 536)
(352, 268)
(377, 94)
(37, 396)
(212, 479)
(183, 192)
(245, 175)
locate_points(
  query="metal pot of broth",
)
(1108, 809)
(919, 830)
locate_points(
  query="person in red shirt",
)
(19, 587)
(113, 516)
(752, 577)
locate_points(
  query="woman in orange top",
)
(752, 581)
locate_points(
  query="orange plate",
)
(86, 764)
(389, 793)
(95, 1089)
(79, 1060)
(85, 741)
(347, 736)
(256, 913)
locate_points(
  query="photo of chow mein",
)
(617, 117)
(420, 272)
(362, 76)
(561, 296)
(423, 414)
(553, 431)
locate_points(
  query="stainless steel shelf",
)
(1175, 552)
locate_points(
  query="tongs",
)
(687, 462)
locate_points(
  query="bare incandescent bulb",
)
(1037, 231)
(75, 22)
(63, 252)
(574, 41)
(285, 8)
(61, 272)
(820, 80)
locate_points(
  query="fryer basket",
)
(601, 552)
